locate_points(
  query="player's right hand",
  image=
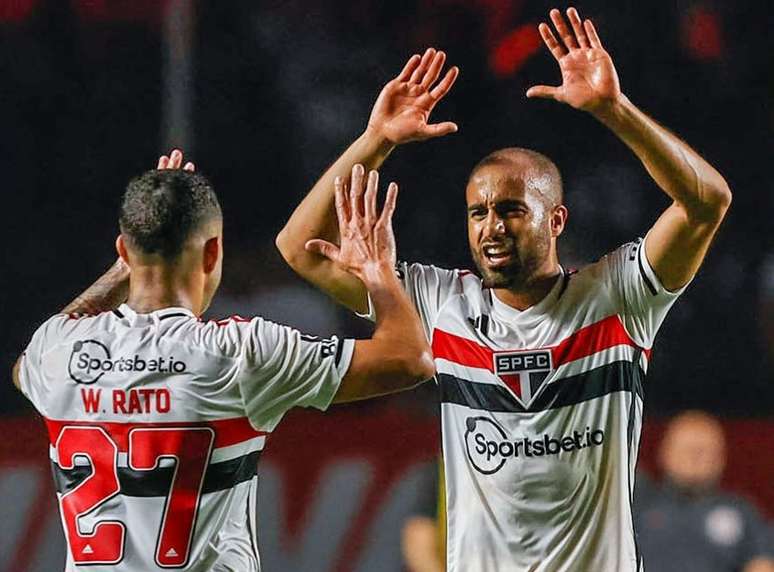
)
(367, 248)
(173, 161)
(403, 108)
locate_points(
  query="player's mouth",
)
(497, 255)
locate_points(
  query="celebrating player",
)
(156, 418)
(540, 371)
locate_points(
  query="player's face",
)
(509, 227)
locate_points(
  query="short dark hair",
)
(161, 209)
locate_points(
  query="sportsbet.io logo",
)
(91, 359)
(489, 447)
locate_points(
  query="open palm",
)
(589, 79)
(402, 110)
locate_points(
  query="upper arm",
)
(641, 300)
(27, 374)
(339, 284)
(678, 243)
(280, 368)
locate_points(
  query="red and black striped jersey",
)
(156, 424)
(541, 413)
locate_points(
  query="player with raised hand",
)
(400, 115)
(157, 419)
(540, 371)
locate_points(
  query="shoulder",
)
(429, 273)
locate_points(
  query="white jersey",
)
(541, 413)
(157, 422)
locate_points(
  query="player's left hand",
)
(174, 160)
(589, 79)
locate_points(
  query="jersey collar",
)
(536, 310)
(173, 311)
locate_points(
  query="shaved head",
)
(515, 215)
(538, 172)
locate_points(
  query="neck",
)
(154, 287)
(531, 292)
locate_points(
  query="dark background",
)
(280, 88)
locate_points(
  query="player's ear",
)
(559, 216)
(211, 254)
(121, 248)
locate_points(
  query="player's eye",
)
(512, 212)
(477, 214)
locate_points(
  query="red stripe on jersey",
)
(607, 333)
(227, 431)
(602, 335)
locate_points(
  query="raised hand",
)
(367, 241)
(402, 110)
(174, 160)
(589, 79)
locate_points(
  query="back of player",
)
(153, 447)
(157, 419)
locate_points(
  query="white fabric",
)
(217, 375)
(518, 507)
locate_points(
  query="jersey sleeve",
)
(642, 300)
(428, 288)
(32, 380)
(281, 368)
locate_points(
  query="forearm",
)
(108, 292)
(398, 355)
(315, 217)
(399, 330)
(677, 169)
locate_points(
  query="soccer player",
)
(540, 370)
(157, 418)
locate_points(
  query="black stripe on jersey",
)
(156, 482)
(339, 351)
(630, 452)
(648, 283)
(616, 376)
(118, 313)
(173, 315)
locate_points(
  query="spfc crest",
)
(523, 372)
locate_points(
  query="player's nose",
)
(494, 225)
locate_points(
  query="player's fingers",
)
(440, 129)
(175, 159)
(564, 32)
(591, 32)
(445, 84)
(323, 248)
(544, 91)
(163, 162)
(356, 190)
(340, 202)
(409, 68)
(189, 166)
(577, 27)
(434, 70)
(371, 188)
(420, 70)
(370, 198)
(389, 205)
(553, 45)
